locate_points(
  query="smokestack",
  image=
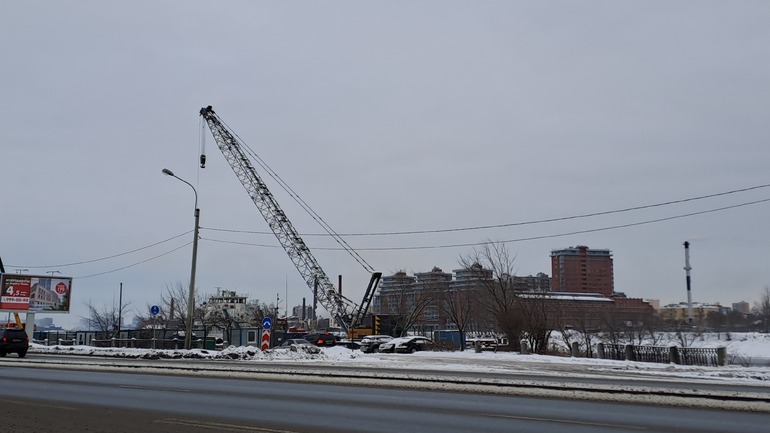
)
(303, 310)
(315, 296)
(687, 269)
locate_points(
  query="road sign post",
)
(154, 310)
(267, 323)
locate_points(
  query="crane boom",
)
(337, 305)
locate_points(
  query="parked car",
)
(322, 339)
(371, 343)
(180, 336)
(415, 344)
(14, 340)
(390, 346)
(297, 344)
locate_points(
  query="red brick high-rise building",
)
(582, 270)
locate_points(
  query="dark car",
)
(14, 340)
(371, 343)
(322, 339)
(415, 344)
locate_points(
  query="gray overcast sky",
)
(385, 116)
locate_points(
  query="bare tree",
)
(494, 266)
(174, 303)
(764, 307)
(538, 317)
(585, 324)
(104, 319)
(255, 312)
(409, 301)
(459, 308)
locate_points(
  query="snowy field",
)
(748, 354)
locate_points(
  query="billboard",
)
(35, 293)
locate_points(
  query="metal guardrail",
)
(699, 356)
(712, 357)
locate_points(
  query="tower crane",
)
(346, 313)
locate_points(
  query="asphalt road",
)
(67, 401)
(541, 374)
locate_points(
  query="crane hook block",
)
(203, 161)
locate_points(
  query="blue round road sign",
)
(154, 310)
(267, 323)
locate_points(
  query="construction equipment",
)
(16, 317)
(346, 313)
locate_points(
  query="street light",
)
(191, 295)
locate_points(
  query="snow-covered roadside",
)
(467, 361)
(515, 374)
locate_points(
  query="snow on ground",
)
(752, 347)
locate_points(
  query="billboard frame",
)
(28, 293)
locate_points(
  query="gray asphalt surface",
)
(68, 401)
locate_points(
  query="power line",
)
(102, 258)
(515, 224)
(135, 264)
(439, 231)
(556, 235)
(253, 244)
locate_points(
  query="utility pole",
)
(120, 308)
(687, 269)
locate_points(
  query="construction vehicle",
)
(347, 314)
(16, 317)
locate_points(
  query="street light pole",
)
(191, 294)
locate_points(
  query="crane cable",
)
(306, 207)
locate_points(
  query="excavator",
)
(347, 314)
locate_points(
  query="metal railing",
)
(699, 356)
(678, 355)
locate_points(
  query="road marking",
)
(220, 426)
(564, 421)
(153, 388)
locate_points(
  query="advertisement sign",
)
(35, 293)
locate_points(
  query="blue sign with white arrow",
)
(267, 323)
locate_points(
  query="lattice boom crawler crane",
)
(346, 313)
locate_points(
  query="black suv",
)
(13, 340)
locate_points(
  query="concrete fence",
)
(713, 357)
(146, 343)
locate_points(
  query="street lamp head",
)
(168, 172)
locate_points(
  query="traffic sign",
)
(265, 339)
(154, 310)
(267, 323)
